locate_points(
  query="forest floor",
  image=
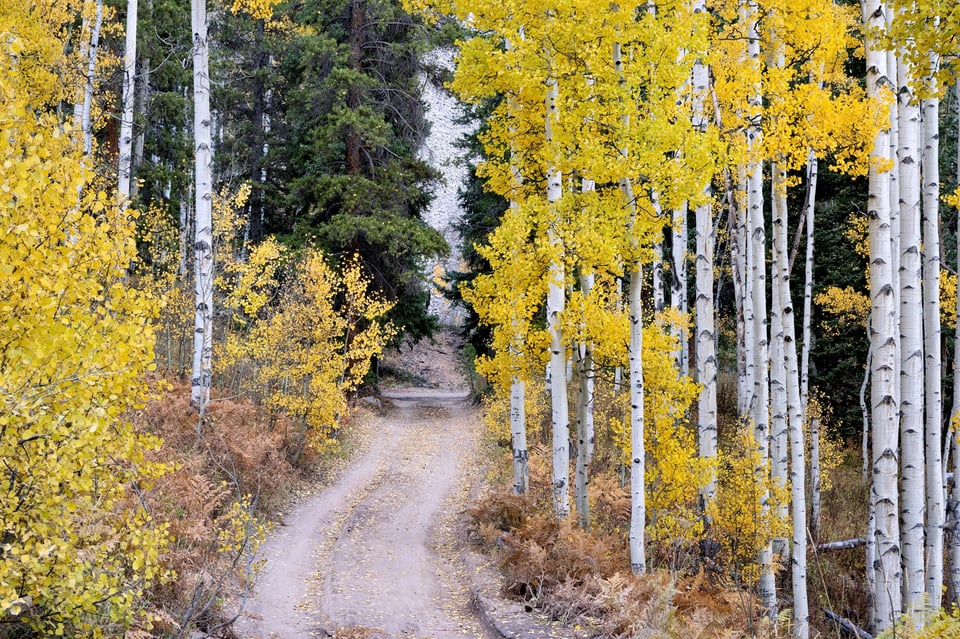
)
(377, 552)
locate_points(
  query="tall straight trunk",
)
(884, 366)
(518, 436)
(933, 366)
(778, 379)
(809, 212)
(585, 430)
(756, 242)
(815, 490)
(911, 346)
(705, 326)
(86, 124)
(140, 109)
(518, 414)
(81, 111)
(678, 285)
(638, 504)
(555, 305)
(126, 120)
(798, 504)
(203, 211)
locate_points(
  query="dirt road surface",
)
(377, 552)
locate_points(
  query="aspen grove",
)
(711, 271)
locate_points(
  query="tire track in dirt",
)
(379, 549)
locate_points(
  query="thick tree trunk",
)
(883, 325)
(126, 119)
(203, 211)
(706, 332)
(933, 366)
(558, 354)
(911, 347)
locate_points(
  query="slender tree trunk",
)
(706, 332)
(933, 366)
(555, 306)
(86, 125)
(801, 613)
(518, 433)
(778, 374)
(911, 348)
(203, 211)
(883, 324)
(756, 242)
(678, 285)
(815, 494)
(585, 432)
(638, 506)
(658, 286)
(809, 211)
(129, 93)
(140, 109)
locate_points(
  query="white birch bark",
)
(778, 375)
(518, 435)
(705, 327)
(585, 405)
(883, 324)
(125, 152)
(933, 366)
(809, 211)
(86, 124)
(798, 504)
(657, 284)
(203, 210)
(678, 285)
(815, 492)
(756, 242)
(638, 509)
(911, 347)
(555, 305)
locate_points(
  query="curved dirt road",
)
(376, 553)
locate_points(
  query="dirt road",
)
(376, 554)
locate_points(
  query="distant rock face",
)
(439, 150)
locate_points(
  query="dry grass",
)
(236, 457)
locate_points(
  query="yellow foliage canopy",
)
(75, 345)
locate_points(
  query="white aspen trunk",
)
(706, 332)
(140, 108)
(86, 124)
(809, 210)
(778, 375)
(678, 285)
(933, 366)
(203, 211)
(884, 367)
(585, 435)
(638, 509)
(518, 435)
(586, 415)
(747, 388)
(659, 288)
(815, 492)
(555, 305)
(798, 556)
(865, 412)
(911, 348)
(125, 152)
(756, 242)
(638, 506)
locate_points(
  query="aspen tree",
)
(883, 326)
(911, 343)
(126, 119)
(705, 329)
(86, 121)
(203, 211)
